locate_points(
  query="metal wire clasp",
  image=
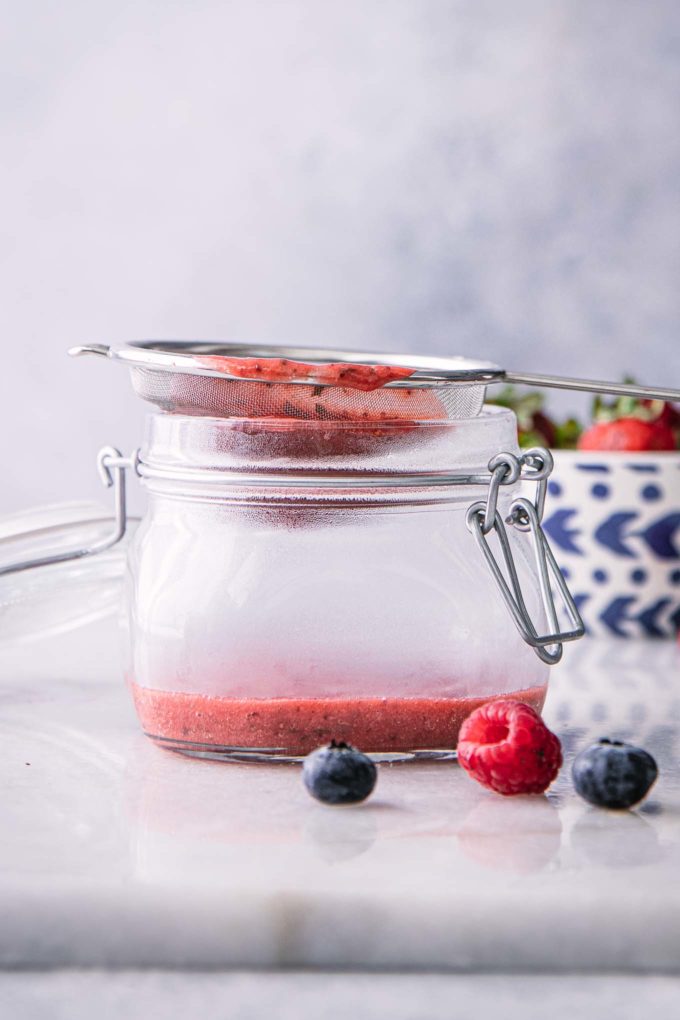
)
(112, 466)
(483, 517)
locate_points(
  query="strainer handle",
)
(592, 386)
(112, 467)
(483, 517)
(102, 349)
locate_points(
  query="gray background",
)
(496, 177)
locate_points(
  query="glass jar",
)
(297, 581)
(294, 582)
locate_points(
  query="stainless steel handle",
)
(103, 350)
(484, 517)
(592, 386)
(112, 468)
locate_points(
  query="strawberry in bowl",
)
(613, 510)
(632, 425)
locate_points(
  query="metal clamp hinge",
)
(483, 517)
(112, 466)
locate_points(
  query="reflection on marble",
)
(338, 838)
(615, 839)
(117, 852)
(519, 835)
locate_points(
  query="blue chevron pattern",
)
(557, 528)
(611, 533)
(659, 536)
(615, 531)
(622, 617)
(615, 534)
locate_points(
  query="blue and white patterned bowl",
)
(613, 520)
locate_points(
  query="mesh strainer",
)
(229, 380)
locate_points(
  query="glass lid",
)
(65, 595)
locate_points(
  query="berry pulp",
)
(295, 726)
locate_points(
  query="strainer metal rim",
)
(183, 356)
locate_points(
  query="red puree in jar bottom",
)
(298, 725)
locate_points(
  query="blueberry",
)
(339, 774)
(612, 774)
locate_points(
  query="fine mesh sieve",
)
(178, 393)
(232, 381)
(229, 380)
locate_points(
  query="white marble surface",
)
(115, 853)
(292, 995)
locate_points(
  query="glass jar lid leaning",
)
(334, 547)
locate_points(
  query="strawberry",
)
(628, 434)
(625, 423)
(669, 416)
(628, 424)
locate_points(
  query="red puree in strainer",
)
(337, 392)
(357, 377)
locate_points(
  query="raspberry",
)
(506, 746)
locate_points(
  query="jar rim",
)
(312, 479)
(330, 458)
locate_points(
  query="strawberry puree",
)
(298, 725)
(318, 404)
(336, 392)
(358, 377)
